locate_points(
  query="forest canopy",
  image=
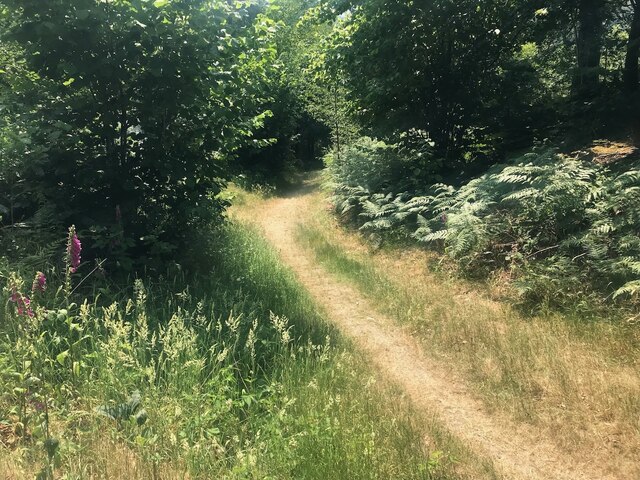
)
(128, 117)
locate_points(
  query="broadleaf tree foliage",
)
(126, 117)
(130, 111)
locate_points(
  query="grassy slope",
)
(577, 381)
(230, 391)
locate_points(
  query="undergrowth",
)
(227, 373)
(564, 230)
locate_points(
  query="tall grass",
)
(578, 382)
(237, 374)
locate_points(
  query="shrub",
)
(123, 116)
(379, 167)
(547, 217)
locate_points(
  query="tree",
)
(296, 133)
(589, 37)
(307, 44)
(432, 66)
(144, 104)
(633, 50)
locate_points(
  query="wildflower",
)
(74, 248)
(24, 307)
(39, 283)
(443, 218)
(23, 303)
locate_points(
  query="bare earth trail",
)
(516, 451)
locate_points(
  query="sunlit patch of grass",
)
(577, 381)
(239, 377)
(238, 196)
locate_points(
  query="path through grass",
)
(239, 377)
(577, 382)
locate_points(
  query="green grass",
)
(552, 372)
(239, 377)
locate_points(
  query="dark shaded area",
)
(297, 144)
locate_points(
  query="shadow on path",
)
(304, 184)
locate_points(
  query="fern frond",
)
(433, 236)
(630, 288)
(521, 194)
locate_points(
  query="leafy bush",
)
(547, 217)
(367, 162)
(381, 167)
(121, 116)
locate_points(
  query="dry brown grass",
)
(578, 382)
(605, 152)
(103, 459)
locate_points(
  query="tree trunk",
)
(589, 47)
(633, 50)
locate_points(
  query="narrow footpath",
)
(516, 450)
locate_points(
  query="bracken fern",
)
(560, 223)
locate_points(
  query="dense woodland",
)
(501, 134)
(126, 118)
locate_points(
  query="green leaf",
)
(61, 357)
(160, 3)
(121, 411)
(69, 82)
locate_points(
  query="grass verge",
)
(578, 382)
(229, 373)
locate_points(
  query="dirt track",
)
(516, 450)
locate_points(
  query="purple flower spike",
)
(23, 304)
(74, 248)
(39, 283)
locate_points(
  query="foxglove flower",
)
(39, 283)
(23, 304)
(74, 249)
